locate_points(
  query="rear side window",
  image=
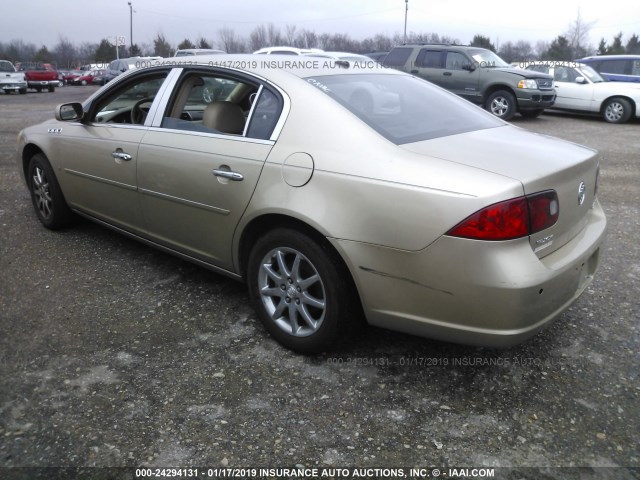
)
(404, 108)
(614, 66)
(397, 57)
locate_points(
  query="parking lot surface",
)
(115, 354)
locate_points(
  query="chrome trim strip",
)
(126, 186)
(161, 247)
(253, 109)
(183, 201)
(235, 138)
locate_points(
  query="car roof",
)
(276, 65)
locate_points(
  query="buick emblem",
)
(581, 193)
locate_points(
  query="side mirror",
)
(468, 67)
(580, 80)
(68, 112)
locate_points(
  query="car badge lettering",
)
(54, 130)
(581, 193)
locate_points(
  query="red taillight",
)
(510, 219)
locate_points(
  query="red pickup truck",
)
(39, 75)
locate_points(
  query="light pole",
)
(130, 24)
(406, 11)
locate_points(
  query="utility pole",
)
(406, 11)
(131, 24)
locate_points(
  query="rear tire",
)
(49, 203)
(302, 292)
(502, 104)
(617, 110)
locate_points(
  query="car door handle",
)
(235, 176)
(120, 155)
(447, 74)
(414, 71)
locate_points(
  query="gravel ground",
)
(113, 354)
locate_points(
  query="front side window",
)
(456, 61)
(591, 74)
(222, 104)
(130, 103)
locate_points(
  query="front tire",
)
(49, 203)
(617, 110)
(502, 104)
(302, 291)
(531, 113)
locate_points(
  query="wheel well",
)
(261, 225)
(628, 99)
(27, 154)
(495, 88)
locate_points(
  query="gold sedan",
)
(336, 191)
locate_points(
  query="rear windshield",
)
(403, 108)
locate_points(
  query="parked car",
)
(478, 75)
(67, 75)
(437, 219)
(286, 51)
(187, 52)
(132, 63)
(40, 76)
(10, 80)
(377, 56)
(344, 56)
(105, 77)
(616, 68)
(580, 88)
(87, 78)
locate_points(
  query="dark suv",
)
(479, 75)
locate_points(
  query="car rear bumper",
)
(474, 292)
(43, 83)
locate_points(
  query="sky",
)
(43, 22)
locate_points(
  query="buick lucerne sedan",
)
(427, 215)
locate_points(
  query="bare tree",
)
(230, 43)
(258, 38)
(273, 35)
(64, 53)
(18, 50)
(541, 49)
(578, 36)
(306, 39)
(290, 34)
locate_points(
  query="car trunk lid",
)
(539, 162)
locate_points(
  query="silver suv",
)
(479, 75)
